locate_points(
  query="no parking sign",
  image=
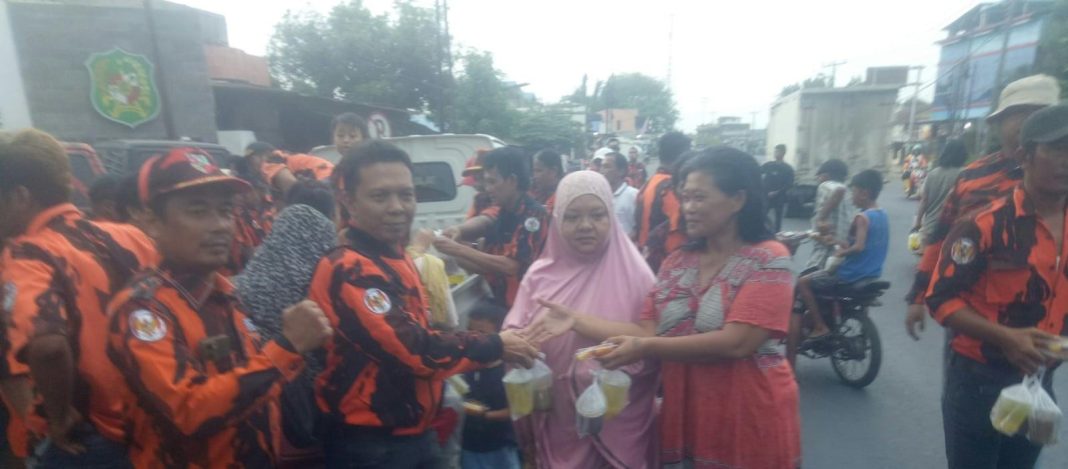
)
(378, 126)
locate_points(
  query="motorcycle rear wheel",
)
(859, 354)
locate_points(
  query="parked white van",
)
(438, 164)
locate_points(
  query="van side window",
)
(434, 182)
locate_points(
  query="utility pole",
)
(834, 70)
(915, 97)
(161, 75)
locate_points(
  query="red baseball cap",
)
(183, 168)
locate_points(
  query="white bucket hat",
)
(1035, 90)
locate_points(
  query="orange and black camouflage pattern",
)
(188, 409)
(519, 235)
(1005, 265)
(58, 278)
(657, 204)
(983, 181)
(385, 366)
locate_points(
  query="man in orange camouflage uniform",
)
(983, 181)
(385, 367)
(60, 270)
(1001, 285)
(518, 234)
(202, 385)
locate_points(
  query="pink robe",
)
(612, 284)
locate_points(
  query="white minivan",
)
(438, 164)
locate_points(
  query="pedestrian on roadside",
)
(59, 271)
(657, 201)
(981, 182)
(382, 385)
(778, 180)
(202, 383)
(636, 172)
(624, 197)
(1000, 285)
(937, 186)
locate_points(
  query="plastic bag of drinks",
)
(590, 410)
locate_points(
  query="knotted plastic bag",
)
(519, 388)
(1044, 422)
(542, 378)
(1028, 402)
(589, 410)
(1012, 408)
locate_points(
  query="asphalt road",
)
(896, 422)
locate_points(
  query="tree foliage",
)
(391, 59)
(1052, 54)
(650, 96)
(549, 127)
(482, 98)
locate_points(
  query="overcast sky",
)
(727, 58)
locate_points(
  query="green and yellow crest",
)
(123, 87)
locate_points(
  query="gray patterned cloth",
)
(280, 272)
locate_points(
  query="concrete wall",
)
(14, 111)
(783, 121)
(53, 42)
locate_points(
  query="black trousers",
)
(352, 448)
(971, 388)
(778, 206)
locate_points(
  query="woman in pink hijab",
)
(588, 264)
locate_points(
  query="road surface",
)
(896, 422)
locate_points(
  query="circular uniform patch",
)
(963, 251)
(199, 162)
(147, 326)
(377, 301)
(532, 224)
(9, 293)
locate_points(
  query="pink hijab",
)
(612, 284)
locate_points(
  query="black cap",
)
(1046, 126)
(257, 148)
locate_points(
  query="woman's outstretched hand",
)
(553, 322)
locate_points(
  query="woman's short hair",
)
(735, 171)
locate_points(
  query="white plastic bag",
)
(1044, 422)
(1012, 408)
(542, 378)
(589, 410)
(1028, 402)
(519, 387)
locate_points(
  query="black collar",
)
(362, 242)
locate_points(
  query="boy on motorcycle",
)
(864, 253)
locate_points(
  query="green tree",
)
(482, 103)
(549, 127)
(390, 59)
(1052, 54)
(651, 97)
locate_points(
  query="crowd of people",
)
(280, 311)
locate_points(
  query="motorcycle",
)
(914, 176)
(853, 344)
